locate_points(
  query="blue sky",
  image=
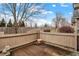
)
(51, 8)
(66, 10)
(48, 13)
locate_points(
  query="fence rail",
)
(14, 40)
(62, 39)
(65, 40)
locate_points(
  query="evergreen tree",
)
(3, 23)
(9, 23)
(21, 23)
(35, 25)
(0, 23)
(46, 25)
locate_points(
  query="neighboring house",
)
(75, 18)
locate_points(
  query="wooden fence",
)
(62, 40)
(14, 40)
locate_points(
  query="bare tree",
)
(21, 11)
(59, 17)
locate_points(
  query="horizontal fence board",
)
(63, 39)
(16, 40)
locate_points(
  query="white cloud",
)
(47, 12)
(18, 4)
(70, 13)
(44, 12)
(40, 21)
(53, 5)
(32, 9)
(63, 5)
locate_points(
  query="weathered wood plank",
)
(39, 50)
